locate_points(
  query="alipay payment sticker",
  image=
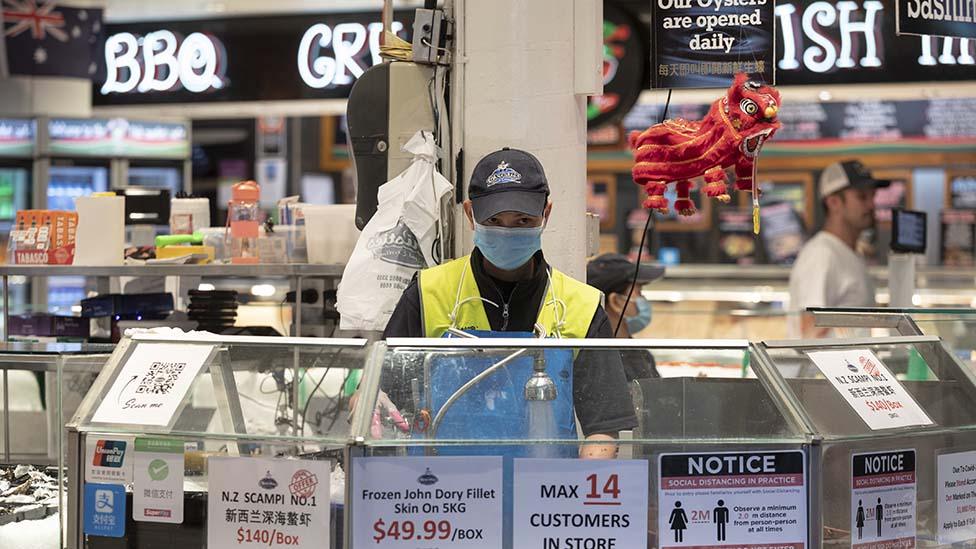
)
(105, 510)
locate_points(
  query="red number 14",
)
(610, 487)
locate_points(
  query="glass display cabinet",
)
(41, 384)
(957, 327)
(797, 446)
(883, 437)
(203, 440)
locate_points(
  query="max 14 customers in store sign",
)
(164, 61)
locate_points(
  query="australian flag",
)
(49, 39)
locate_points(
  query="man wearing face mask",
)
(613, 274)
(506, 285)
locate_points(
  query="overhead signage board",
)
(855, 42)
(116, 137)
(870, 120)
(16, 137)
(937, 17)
(272, 58)
(850, 42)
(704, 43)
(624, 55)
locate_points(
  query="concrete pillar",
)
(522, 74)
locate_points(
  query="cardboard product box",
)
(49, 325)
(127, 305)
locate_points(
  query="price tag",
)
(883, 500)
(429, 502)
(152, 383)
(870, 388)
(577, 504)
(739, 499)
(258, 502)
(956, 497)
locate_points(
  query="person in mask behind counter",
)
(505, 286)
(613, 274)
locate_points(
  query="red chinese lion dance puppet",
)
(731, 134)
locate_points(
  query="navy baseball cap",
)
(611, 272)
(508, 180)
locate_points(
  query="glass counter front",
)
(775, 451)
(260, 422)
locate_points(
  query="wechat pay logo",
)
(158, 470)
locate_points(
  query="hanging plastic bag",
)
(401, 238)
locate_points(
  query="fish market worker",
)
(506, 285)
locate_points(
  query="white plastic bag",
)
(399, 240)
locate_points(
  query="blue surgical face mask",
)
(642, 319)
(508, 248)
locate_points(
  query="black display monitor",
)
(908, 231)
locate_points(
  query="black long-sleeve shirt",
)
(601, 395)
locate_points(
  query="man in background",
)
(613, 274)
(829, 272)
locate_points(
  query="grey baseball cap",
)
(508, 180)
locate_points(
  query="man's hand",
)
(599, 446)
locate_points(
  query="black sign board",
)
(624, 55)
(889, 465)
(850, 43)
(736, 242)
(855, 121)
(704, 43)
(732, 464)
(268, 58)
(937, 17)
(855, 42)
(782, 232)
(959, 238)
(962, 190)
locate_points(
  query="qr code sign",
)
(160, 378)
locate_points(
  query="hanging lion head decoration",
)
(731, 135)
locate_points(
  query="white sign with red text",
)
(580, 503)
(427, 502)
(870, 388)
(956, 497)
(267, 502)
